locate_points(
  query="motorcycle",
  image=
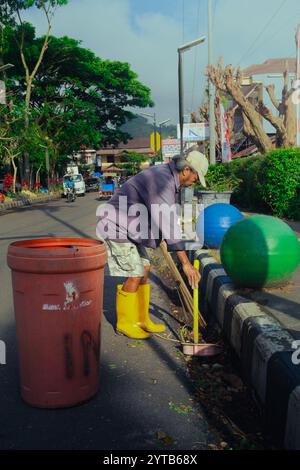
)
(71, 195)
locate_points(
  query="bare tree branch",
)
(276, 122)
(271, 92)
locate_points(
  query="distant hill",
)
(140, 127)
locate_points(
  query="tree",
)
(11, 15)
(10, 139)
(284, 123)
(229, 82)
(133, 163)
(77, 98)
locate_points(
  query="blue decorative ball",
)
(214, 221)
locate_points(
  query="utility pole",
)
(161, 137)
(181, 107)
(181, 50)
(298, 84)
(211, 88)
(155, 130)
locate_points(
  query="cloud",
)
(148, 39)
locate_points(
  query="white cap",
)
(199, 164)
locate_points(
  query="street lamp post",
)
(160, 133)
(153, 116)
(181, 50)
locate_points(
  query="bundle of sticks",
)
(183, 290)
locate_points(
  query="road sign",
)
(194, 132)
(170, 148)
(152, 142)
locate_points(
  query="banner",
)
(197, 132)
(226, 149)
(170, 148)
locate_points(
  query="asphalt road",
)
(142, 385)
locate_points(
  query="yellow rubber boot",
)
(143, 306)
(127, 315)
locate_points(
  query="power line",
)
(277, 33)
(263, 30)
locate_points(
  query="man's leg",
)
(146, 275)
(123, 260)
(143, 302)
(132, 283)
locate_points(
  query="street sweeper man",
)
(142, 213)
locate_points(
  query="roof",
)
(250, 150)
(271, 66)
(119, 152)
(137, 143)
(113, 169)
(133, 144)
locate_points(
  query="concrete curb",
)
(264, 348)
(27, 202)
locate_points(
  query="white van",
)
(78, 183)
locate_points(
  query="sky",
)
(147, 33)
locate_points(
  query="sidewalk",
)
(27, 202)
(261, 327)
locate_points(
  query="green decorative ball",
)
(260, 251)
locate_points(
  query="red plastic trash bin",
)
(58, 296)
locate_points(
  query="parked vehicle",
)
(107, 186)
(92, 184)
(78, 183)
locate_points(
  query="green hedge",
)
(268, 183)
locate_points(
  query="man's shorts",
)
(126, 259)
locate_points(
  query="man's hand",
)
(192, 274)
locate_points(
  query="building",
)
(106, 157)
(115, 155)
(259, 76)
(86, 156)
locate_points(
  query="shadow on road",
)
(120, 417)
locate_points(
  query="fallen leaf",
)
(180, 408)
(162, 436)
(136, 344)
